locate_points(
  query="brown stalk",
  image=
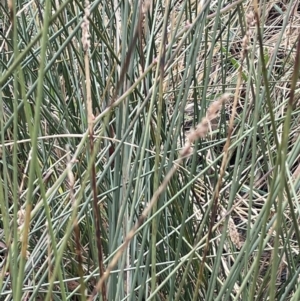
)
(215, 200)
(97, 215)
(76, 231)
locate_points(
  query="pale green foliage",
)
(154, 72)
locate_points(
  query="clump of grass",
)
(101, 104)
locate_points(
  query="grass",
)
(149, 151)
